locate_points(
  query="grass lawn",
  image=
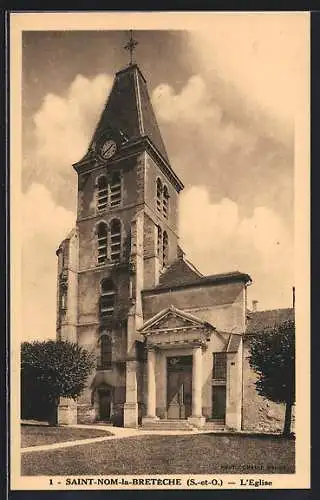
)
(34, 435)
(194, 454)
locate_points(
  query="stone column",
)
(197, 419)
(162, 386)
(130, 413)
(151, 383)
(151, 401)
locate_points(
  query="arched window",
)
(115, 240)
(159, 195)
(102, 195)
(165, 249)
(165, 201)
(115, 190)
(108, 192)
(102, 234)
(105, 351)
(107, 297)
(159, 243)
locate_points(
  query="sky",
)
(226, 98)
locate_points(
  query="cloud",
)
(192, 105)
(218, 239)
(44, 225)
(195, 107)
(59, 134)
(64, 125)
(262, 56)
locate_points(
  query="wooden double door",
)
(179, 387)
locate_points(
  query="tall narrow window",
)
(115, 190)
(107, 297)
(102, 234)
(159, 243)
(105, 351)
(219, 371)
(63, 300)
(165, 201)
(165, 249)
(159, 195)
(102, 201)
(115, 240)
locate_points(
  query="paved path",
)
(118, 433)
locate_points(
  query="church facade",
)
(171, 344)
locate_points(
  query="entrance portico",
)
(175, 344)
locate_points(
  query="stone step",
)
(214, 425)
(182, 425)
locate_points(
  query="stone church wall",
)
(258, 414)
(222, 305)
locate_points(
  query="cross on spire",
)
(131, 45)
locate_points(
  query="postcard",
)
(159, 224)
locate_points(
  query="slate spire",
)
(129, 111)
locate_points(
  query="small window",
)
(159, 195)
(105, 351)
(107, 298)
(165, 202)
(165, 249)
(63, 300)
(102, 202)
(219, 371)
(115, 190)
(102, 234)
(115, 240)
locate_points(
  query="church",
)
(171, 344)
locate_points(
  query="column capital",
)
(151, 347)
(197, 344)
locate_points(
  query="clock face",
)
(108, 149)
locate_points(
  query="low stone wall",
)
(258, 414)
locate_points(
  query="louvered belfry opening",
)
(102, 195)
(165, 201)
(159, 195)
(165, 249)
(115, 240)
(107, 298)
(115, 190)
(102, 234)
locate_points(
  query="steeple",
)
(129, 111)
(128, 114)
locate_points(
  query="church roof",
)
(180, 271)
(177, 278)
(129, 111)
(176, 312)
(233, 343)
(260, 321)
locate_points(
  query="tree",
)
(53, 369)
(272, 357)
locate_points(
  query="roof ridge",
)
(192, 266)
(271, 310)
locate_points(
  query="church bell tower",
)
(125, 236)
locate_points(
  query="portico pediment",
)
(173, 326)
